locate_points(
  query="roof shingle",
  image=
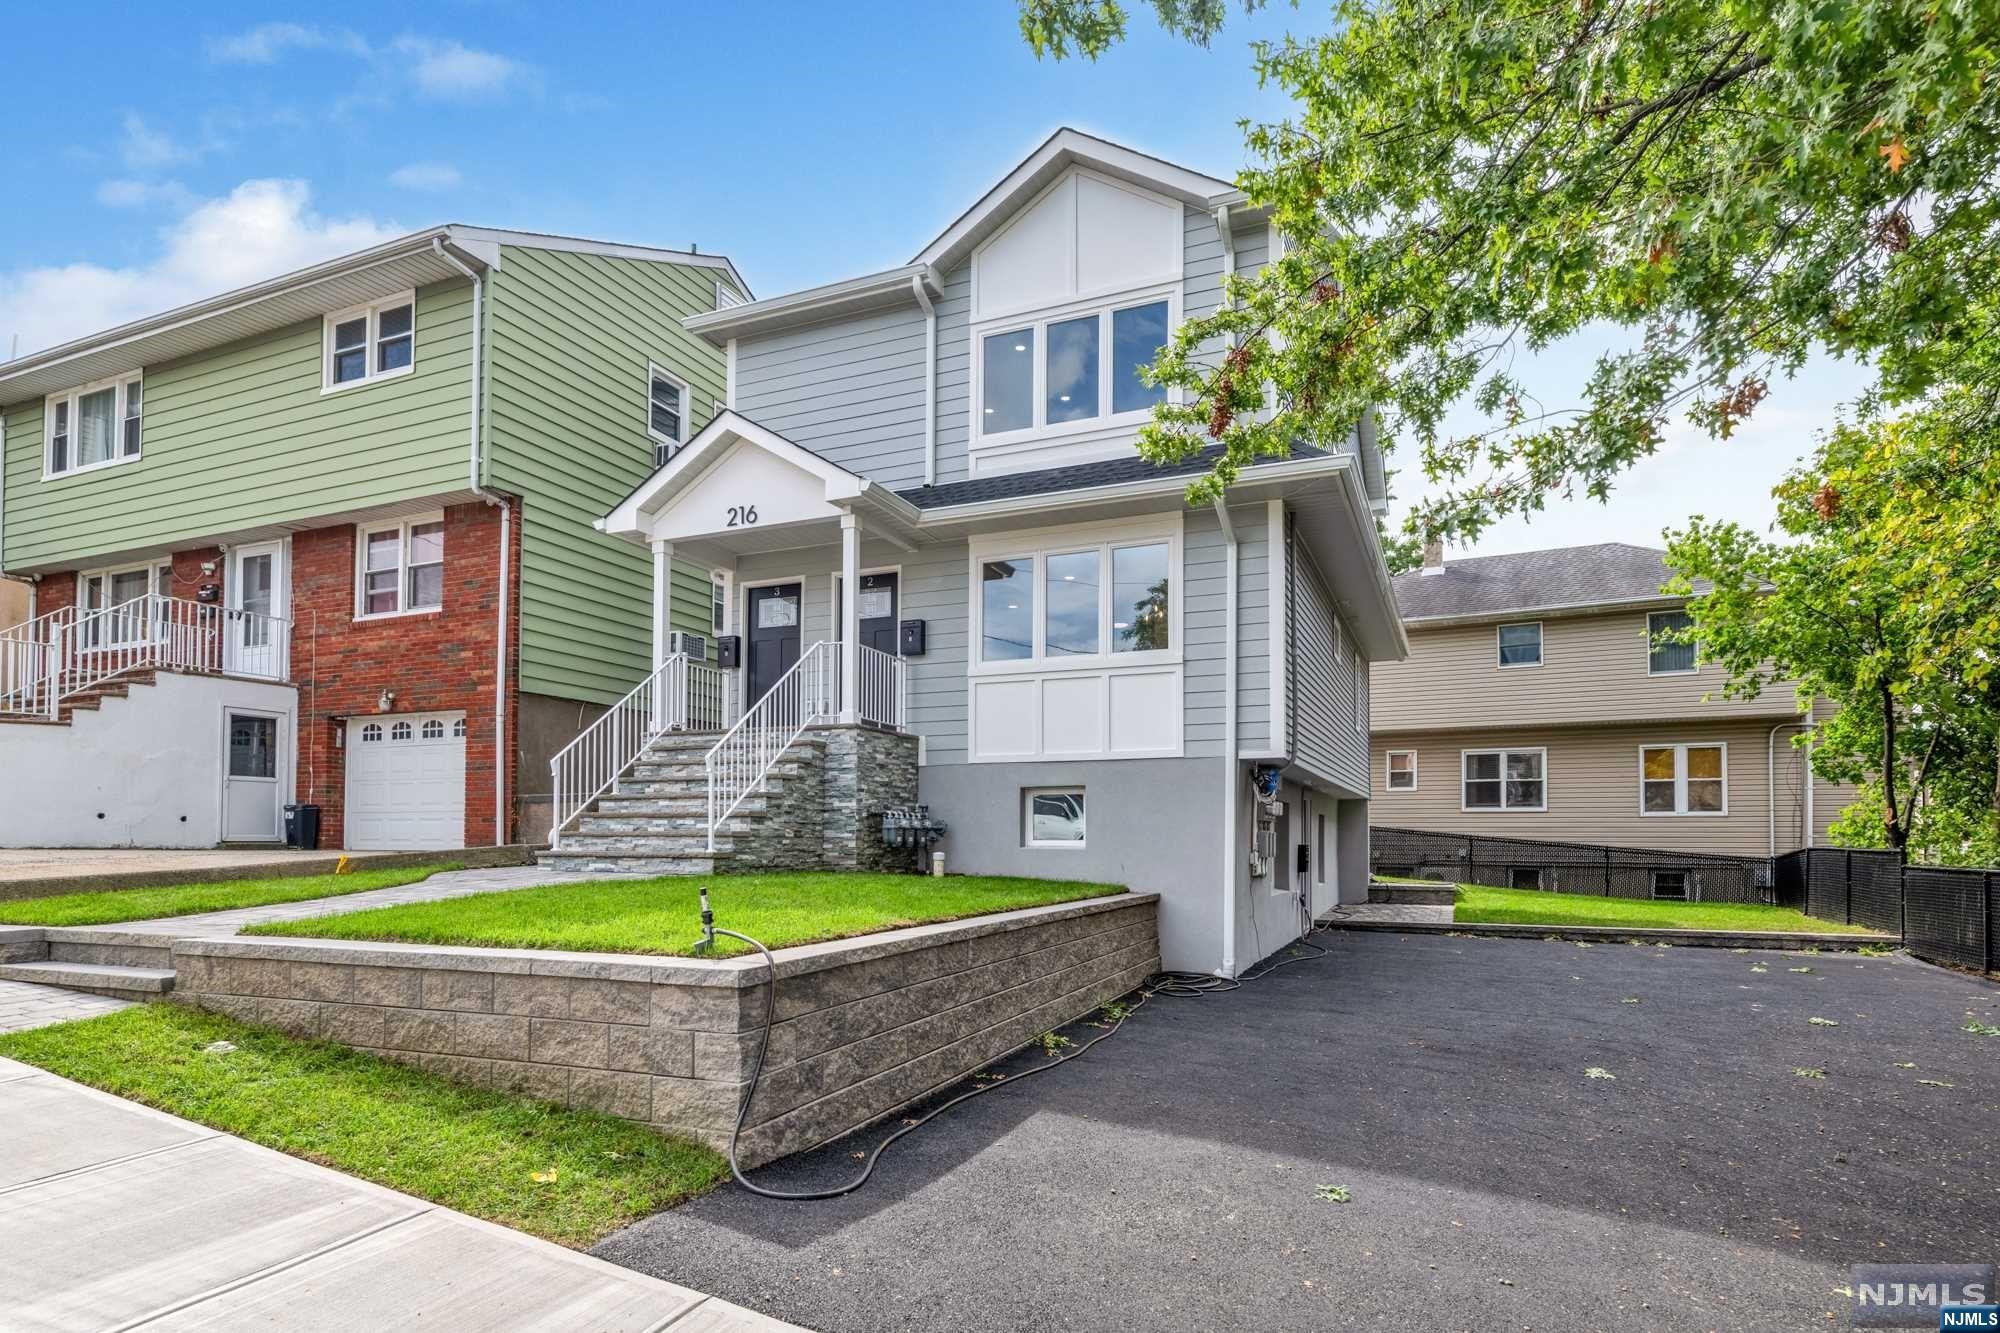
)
(1533, 580)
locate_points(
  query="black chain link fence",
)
(1945, 914)
(1570, 867)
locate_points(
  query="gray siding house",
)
(1099, 681)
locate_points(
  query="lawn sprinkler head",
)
(707, 940)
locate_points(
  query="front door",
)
(253, 642)
(250, 778)
(877, 610)
(772, 644)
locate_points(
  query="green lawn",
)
(569, 1176)
(663, 915)
(98, 909)
(1477, 903)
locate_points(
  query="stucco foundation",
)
(864, 1026)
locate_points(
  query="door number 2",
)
(742, 516)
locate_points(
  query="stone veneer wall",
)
(866, 772)
(864, 1026)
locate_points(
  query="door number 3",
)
(742, 516)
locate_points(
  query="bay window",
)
(401, 567)
(1683, 779)
(1069, 371)
(1505, 780)
(92, 426)
(369, 343)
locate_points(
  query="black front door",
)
(878, 612)
(773, 640)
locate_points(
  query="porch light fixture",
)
(385, 701)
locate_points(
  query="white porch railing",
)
(681, 695)
(881, 696)
(808, 693)
(62, 653)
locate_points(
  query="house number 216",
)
(742, 516)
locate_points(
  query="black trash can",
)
(302, 827)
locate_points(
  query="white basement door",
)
(406, 782)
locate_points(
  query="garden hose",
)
(1186, 985)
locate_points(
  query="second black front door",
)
(773, 641)
(878, 611)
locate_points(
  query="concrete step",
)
(124, 983)
(69, 945)
(631, 863)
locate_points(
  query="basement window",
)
(1671, 885)
(1053, 817)
(370, 343)
(399, 567)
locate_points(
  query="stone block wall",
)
(864, 1026)
(866, 772)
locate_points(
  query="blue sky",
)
(808, 142)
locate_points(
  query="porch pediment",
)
(735, 480)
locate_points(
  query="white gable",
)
(749, 487)
(1086, 234)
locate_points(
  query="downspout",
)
(1771, 781)
(475, 465)
(930, 379)
(1229, 783)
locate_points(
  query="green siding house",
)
(389, 466)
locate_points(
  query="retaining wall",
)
(864, 1026)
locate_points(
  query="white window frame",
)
(94, 634)
(1028, 838)
(1680, 749)
(1389, 771)
(1684, 671)
(656, 371)
(1541, 646)
(1040, 544)
(1503, 808)
(401, 527)
(123, 384)
(1037, 321)
(373, 312)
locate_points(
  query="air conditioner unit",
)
(694, 645)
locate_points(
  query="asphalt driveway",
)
(1169, 1179)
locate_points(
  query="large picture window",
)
(92, 426)
(1505, 780)
(401, 567)
(1093, 602)
(1683, 779)
(371, 342)
(1071, 371)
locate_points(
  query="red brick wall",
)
(54, 593)
(433, 661)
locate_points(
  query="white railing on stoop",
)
(680, 696)
(62, 653)
(808, 693)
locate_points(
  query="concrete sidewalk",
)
(114, 1215)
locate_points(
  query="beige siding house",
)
(1537, 703)
(14, 601)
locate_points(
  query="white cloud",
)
(260, 229)
(266, 43)
(452, 71)
(144, 148)
(426, 176)
(126, 193)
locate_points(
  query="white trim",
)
(1389, 774)
(729, 374)
(121, 387)
(401, 526)
(1541, 646)
(1028, 838)
(1680, 749)
(372, 312)
(656, 371)
(1040, 543)
(871, 291)
(1277, 577)
(1503, 808)
(1684, 671)
(1106, 422)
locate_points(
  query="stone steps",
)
(110, 948)
(632, 863)
(642, 841)
(122, 983)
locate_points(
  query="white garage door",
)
(406, 782)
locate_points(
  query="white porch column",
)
(850, 617)
(663, 599)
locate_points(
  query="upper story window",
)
(1077, 602)
(666, 410)
(400, 567)
(371, 342)
(1521, 645)
(1668, 659)
(1072, 371)
(92, 426)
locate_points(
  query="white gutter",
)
(930, 378)
(1229, 780)
(475, 466)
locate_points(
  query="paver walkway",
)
(449, 884)
(1399, 913)
(114, 1215)
(24, 1005)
